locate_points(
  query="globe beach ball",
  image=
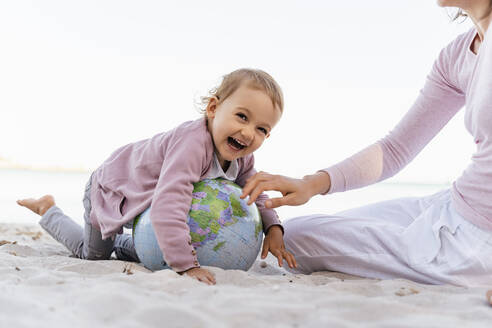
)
(225, 231)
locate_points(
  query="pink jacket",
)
(161, 171)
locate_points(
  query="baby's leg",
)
(69, 233)
(83, 243)
(58, 225)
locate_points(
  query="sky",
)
(79, 79)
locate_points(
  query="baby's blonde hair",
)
(254, 78)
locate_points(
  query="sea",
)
(68, 188)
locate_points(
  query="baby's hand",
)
(274, 242)
(202, 275)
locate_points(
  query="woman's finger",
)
(262, 175)
(253, 182)
(259, 176)
(290, 199)
(250, 185)
(259, 189)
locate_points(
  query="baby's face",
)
(241, 123)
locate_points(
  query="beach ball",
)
(225, 231)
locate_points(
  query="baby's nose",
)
(248, 134)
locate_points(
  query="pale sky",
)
(80, 78)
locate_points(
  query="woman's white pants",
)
(421, 239)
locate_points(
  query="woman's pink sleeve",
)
(436, 104)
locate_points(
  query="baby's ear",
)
(212, 107)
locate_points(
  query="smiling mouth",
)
(235, 144)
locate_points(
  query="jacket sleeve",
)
(182, 166)
(268, 216)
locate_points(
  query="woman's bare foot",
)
(489, 296)
(38, 206)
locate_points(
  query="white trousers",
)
(420, 239)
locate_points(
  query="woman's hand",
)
(295, 191)
(274, 242)
(202, 275)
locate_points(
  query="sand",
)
(42, 286)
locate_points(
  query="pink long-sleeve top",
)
(458, 77)
(161, 171)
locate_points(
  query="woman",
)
(442, 238)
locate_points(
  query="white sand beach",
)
(42, 286)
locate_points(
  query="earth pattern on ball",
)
(225, 231)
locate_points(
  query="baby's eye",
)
(263, 130)
(242, 116)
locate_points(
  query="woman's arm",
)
(436, 104)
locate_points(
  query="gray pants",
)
(86, 243)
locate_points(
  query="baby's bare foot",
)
(38, 206)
